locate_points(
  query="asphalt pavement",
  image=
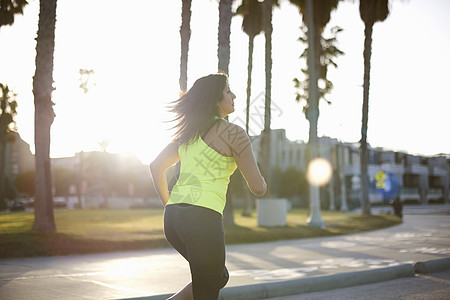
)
(294, 269)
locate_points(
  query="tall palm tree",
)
(252, 25)
(371, 11)
(316, 15)
(185, 34)
(223, 49)
(223, 55)
(265, 137)
(42, 88)
(9, 8)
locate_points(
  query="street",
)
(422, 237)
(434, 286)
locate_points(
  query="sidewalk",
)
(257, 271)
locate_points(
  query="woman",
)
(210, 148)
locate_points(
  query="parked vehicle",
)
(17, 206)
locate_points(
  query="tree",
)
(223, 49)
(185, 34)
(252, 25)
(8, 105)
(44, 220)
(316, 14)
(223, 55)
(371, 11)
(329, 52)
(265, 135)
(292, 182)
(25, 182)
(9, 8)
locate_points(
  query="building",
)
(417, 179)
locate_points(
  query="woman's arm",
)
(243, 155)
(165, 159)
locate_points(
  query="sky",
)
(135, 54)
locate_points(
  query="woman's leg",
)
(197, 234)
(171, 213)
(205, 248)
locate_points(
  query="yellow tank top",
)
(204, 177)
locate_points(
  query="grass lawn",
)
(93, 231)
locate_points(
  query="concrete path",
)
(275, 266)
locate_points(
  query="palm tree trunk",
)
(185, 34)
(249, 80)
(266, 140)
(44, 115)
(223, 54)
(247, 211)
(223, 50)
(2, 167)
(315, 218)
(364, 153)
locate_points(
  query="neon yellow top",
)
(204, 176)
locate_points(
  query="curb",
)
(322, 283)
(314, 284)
(432, 266)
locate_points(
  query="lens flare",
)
(319, 172)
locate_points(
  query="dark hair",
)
(197, 109)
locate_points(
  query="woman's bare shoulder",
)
(232, 133)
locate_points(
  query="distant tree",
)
(329, 52)
(85, 76)
(185, 34)
(25, 182)
(44, 220)
(316, 15)
(9, 8)
(292, 182)
(8, 105)
(371, 11)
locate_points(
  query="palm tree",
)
(252, 25)
(329, 52)
(42, 88)
(371, 11)
(316, 15)
(223, 49)
(265, 136)
(185, 34)
(9, 8)
(8, 110)
(223, 54)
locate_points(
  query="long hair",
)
(197, 109)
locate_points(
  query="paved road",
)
(122, 275)
(435, 286)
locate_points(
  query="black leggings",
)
(197, 234)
